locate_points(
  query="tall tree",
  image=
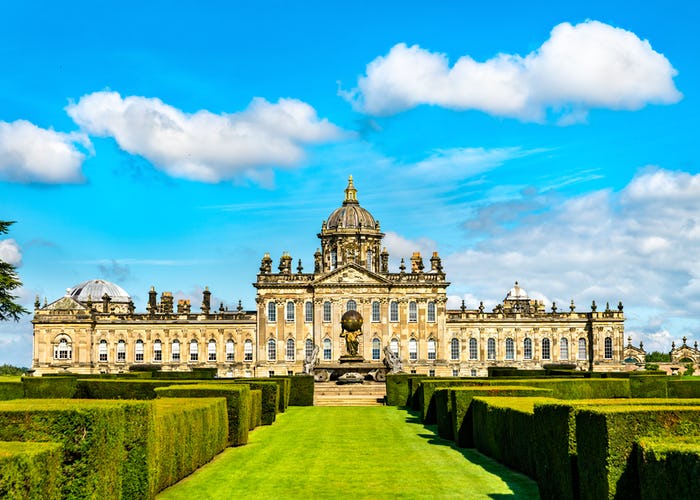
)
(9, 281)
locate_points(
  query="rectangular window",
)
(194, 351)
(121, 351)
(491, 349)
(394, 312)
(326, 312)
(290, 311)
(455, 373)
(431, 312)
(230, 350)
(608, 348)
(431, 373)
(248, 351)
(211, 351)
(473, 373)
(412, 312)
(103, 351)
(139, 351)
(176, 351)
(582, 349)
(412, 350)
(308, 312)
(376, 349)
(473, 354)
(431, 349)
(375, 312)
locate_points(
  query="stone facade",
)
(297, 310)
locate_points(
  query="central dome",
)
(351, 214)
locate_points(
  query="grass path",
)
(346, 452)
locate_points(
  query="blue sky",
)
(172, 144)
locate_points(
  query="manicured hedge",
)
(11, 388)
(427, 386)
(238, 404)
(121, 389)
(255, 409)
(683, 387)
(455, 417)
(30, 470)
(187, 433)
(595, 388)
(195, 374)
(605, 436)
(648, 386)
(49, 387)
(669, 467)
(270, 394)
(397, 389)
(504, 430)
(103, 442)
(301, 392)
(285, 388)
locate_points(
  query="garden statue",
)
(351, 323)
(392, 360)
(311, 360)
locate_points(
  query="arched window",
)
(194, 350)
(121, 351)
(248, 350)
(376, 349)
(271, 350)
(527, 348)
(211, 350)
(431, 312)
(582, 355)
(375, 312)
(334, 259)
(563, 349)
(412, 312)
(308, 312)
(432, 349)
(290, 352)
(491, 349)
(473, 349)
(138, 350)
(309, 348)
(454, 349)
(608, 348)
(413, 349)
(370, 262)
(102, 351)
(290, 311)
(327, 349)
(351, 306)
(546, 349)
(394, 346)
(157, 351)
(230, 350)
(271, 312)
(510, 349)
(175, 350)
(394, 312)
(326, 312)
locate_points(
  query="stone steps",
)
(331, 394)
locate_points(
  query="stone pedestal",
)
(351, 359)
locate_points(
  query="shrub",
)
(504, 430)
(255, 409)
(606, 463)
(270, 395)
(49, 387)
(689, 370)
(397, 389)
(648, 386)
(30, 470)
(120, 389)
(427, 387)
(103, 442)
(652, 367)
(683, 388)
(187, 433)
(455, 420)
(11, 388)
(669, 467)
(285, 384)
(195, 374)
(237, 404)
(301, 391)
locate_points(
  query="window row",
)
(175, 351)
(350, 305)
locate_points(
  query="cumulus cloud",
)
(32, 154)
(400, 247)
(636, 245)
(204, 146)
(583, 66)
(10, 252)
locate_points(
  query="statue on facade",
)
(392, 361)
(311, 361)
(351, 324)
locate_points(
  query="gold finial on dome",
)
(350, 192)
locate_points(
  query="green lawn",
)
(346, 452)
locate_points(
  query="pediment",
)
(351, 274)
(65, 304)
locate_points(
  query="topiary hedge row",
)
(605, 436)
(255, 409)
(11, 388)
(397, 389)
(301, 391)
(121, 389)
(238, 403)
(49, 387)
(669, 467)
(30, 470)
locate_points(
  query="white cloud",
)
(638, 245)
(461, 163)
(32, 154)
(10, 252)
(204, 146)
(584, 66)
(403, 248)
